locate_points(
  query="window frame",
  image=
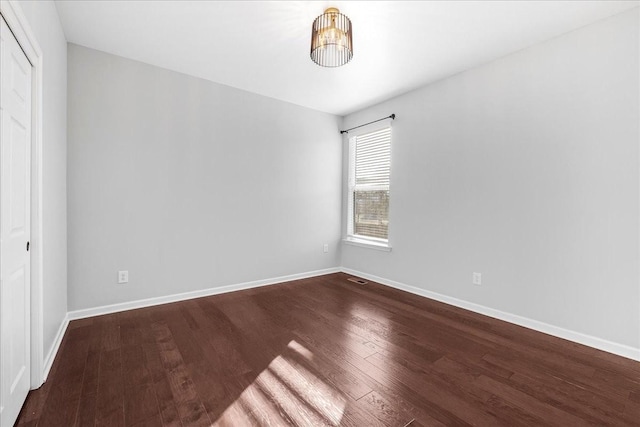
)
(356, 239)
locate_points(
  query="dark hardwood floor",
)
(326, 351)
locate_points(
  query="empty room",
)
(314, 213)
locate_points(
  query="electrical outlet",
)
(477, 279)
(123, 276)
(325, 248)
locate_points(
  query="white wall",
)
(189, 184)
(527, 170)
(44, 21)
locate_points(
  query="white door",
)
(15, 203)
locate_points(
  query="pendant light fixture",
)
(331, 41)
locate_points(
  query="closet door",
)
(15, 203)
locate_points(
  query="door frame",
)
(21, 29)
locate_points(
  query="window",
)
(369, 169)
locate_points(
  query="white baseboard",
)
(114, 308)
(51, 355)
(588, 340)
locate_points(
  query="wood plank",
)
(140, 405)
(185, 397)
(385, 411)
(110, 396)
(528, 403)
(64, 395)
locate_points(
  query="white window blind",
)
(369, 186)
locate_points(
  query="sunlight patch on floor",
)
(375, 323)
(301, 350)
(287, 391)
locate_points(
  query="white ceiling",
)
(263, 46)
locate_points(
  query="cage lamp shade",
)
(331, 41)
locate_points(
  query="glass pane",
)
(371, 213)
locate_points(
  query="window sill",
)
(380, 246)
